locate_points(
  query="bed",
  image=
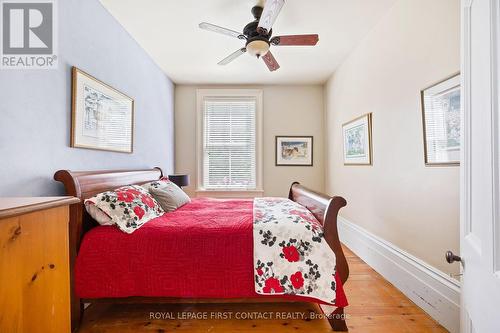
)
(219, 249)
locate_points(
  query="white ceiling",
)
(168, 31)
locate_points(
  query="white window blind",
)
(229, 143)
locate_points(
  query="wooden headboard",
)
(86, 184)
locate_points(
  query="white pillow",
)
(169, 196)
(97, 214)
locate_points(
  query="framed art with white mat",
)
(294, 151)
(357, 141)
(102, 117)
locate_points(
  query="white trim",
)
(200, 95)
(495, 127)
(432, 290)
(465, 151)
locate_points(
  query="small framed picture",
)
(294, 151)
(357, 135)
(441, 122)
(102, 118)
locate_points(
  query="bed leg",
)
(77, 309)
(337, 321)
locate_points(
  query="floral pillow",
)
(129, 207)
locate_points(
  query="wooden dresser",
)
(34, 265)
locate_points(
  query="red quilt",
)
(202, 250)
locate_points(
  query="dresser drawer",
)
(34, 271)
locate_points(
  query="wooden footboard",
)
(326, 210)
(85, 184)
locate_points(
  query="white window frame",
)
(201, 95)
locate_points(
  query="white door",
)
(480, 219)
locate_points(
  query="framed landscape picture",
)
(294, 151)
(101, 117)
(441, 121)
(357, 136)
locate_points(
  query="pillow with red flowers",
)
(129, 207)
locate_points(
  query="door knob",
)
(451, 258)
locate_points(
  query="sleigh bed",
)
(219, 245)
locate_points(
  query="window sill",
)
(201, 193)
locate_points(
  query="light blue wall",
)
(35, 105)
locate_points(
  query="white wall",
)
(288, 110)
(398, 198)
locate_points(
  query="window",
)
(229, 139)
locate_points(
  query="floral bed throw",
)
(291, 256)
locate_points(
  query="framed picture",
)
(357, 135)
(441, 122)
(101, 117)
(294, 151)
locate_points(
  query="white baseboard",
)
(432, 290)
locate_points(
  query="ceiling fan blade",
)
(270, 14)
(300, 40)
(232, 57)
(271, 62)
(221, 30)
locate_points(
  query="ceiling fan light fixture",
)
(258, 34)
(258, 48)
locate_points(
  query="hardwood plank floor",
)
(375, 307)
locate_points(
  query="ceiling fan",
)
(258, 34)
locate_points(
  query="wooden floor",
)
(375, 306)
